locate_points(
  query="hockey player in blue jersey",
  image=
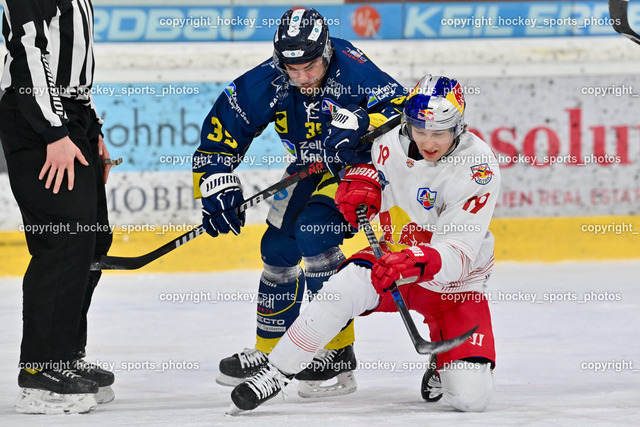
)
(310, 78)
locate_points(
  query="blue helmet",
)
(302, 36)
(437, 102)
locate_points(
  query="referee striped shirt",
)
(50, 56)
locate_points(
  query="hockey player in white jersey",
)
(434, 187)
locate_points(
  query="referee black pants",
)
(64, 233)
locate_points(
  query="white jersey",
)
(446, 204)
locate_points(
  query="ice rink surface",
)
(575, 361)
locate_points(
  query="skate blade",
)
(34, 401)
(233, 410)
(228, 381)
(105, 395)
(345, 384)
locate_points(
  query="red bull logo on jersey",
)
(400, 231)
(427, 198)
(413, 234)
(481, 173)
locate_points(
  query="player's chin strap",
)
(421, 345)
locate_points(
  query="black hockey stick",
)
(422, 346)
(620, 19)
(108, 262)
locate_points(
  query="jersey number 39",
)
(478, 203)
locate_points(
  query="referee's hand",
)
(61, 156)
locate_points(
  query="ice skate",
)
(238, 368)
(55, 391)
(266, 384)
(329, 364)
(101, 376)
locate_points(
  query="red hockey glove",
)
(360, 185)
(414, 265)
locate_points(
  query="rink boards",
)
(517, 239)
(561, 116)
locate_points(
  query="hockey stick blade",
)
(618, 12)
(427, 347)
(421, 345)
(108, 262)
(133, 263)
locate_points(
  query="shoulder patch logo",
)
(371, 100)
(427, 198)
(481, 173)
(230, 90)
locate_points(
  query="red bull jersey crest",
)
(481, 173)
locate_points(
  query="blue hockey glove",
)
(221, 198)
(341, 143)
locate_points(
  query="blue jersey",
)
(263, 95)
